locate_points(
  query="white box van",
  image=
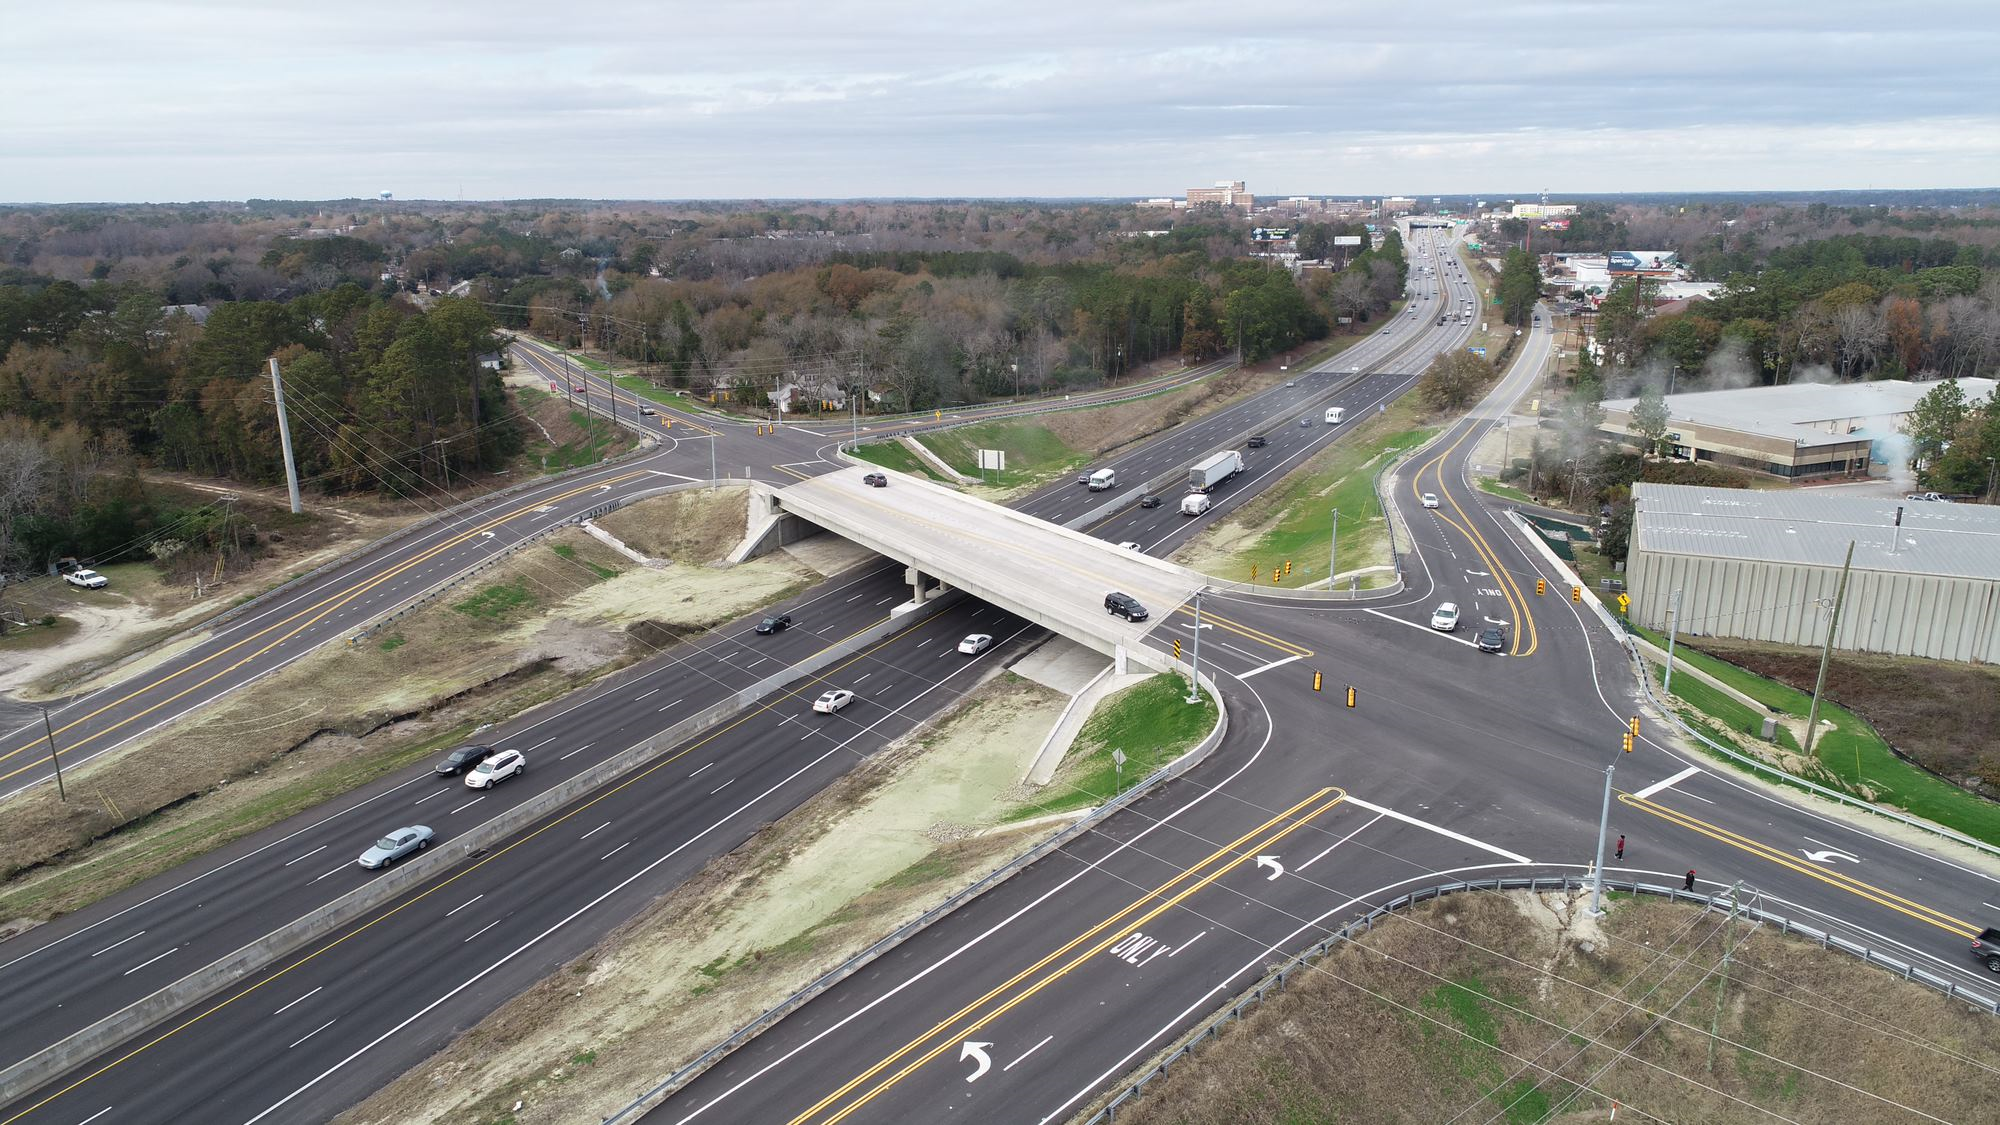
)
(1103, 479)
(1194, 504)
(1335, 415)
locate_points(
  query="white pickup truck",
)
(88, 579)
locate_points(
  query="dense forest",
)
(142, 333)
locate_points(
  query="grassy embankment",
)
(1152, 722)
(1847, 755)
(1492, 1008)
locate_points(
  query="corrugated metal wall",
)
(1903, 614)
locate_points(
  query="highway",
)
(58, 977)
(1455, 761)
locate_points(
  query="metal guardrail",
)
(667, 1087)
(1646, 685)
(1276, 979)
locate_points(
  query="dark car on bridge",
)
(875, 480)
(1120, 604)
(776, 623)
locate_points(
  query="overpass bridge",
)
(1043, 573)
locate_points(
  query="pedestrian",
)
(1690, 881)
(1621, 848)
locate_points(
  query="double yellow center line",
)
(967, 1021)
(1835, 879)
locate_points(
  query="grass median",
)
(1292, 521)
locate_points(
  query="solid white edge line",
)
(1083, 869)
(1669, 783)
(1440, 830)
(619, 886)
(1204, 1000)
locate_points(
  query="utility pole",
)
(60, 793)
(1194, 674)
(1603, 825)
(285, 437)
(1826, 652)
(1673, 627)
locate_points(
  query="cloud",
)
(622, 98)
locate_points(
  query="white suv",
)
(1445, 620)
(496, 769)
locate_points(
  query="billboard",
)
(1642, 261)
(1347, 240)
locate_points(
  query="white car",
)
(1131, 546)
(833, 701)
(1430, 500)
(1445, 619)
(975, 644)
(496, 769)
(88, 579)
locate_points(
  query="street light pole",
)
(1194, 675)
(1332, 541)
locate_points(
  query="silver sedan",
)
(396, 845)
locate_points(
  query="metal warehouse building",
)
(1765, 566)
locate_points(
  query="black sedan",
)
(1149, 501)
(776, 623)
(1491, 639)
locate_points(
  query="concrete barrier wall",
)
(25, 1075)
(679, 1078)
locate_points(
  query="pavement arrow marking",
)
(1271, 862)
(975, 1051)
(1828, 856)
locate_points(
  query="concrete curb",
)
(686, 1074)
(1063, 734)
(23, 1076)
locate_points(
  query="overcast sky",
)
(231, 99)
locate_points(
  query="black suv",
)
(775, 624)
(875, 480)
(1124, 605)
(1256, 442)
(462, 759)
(1986, 947)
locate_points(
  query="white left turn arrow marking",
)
(1271, 862)
(975, 1051)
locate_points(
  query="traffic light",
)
(1633, 725)
(1315, 681)
(1628, 742)
(1288, 568)
(1576, 593)
(1541, 586)
(1350, 695)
